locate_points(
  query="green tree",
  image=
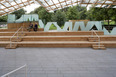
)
(59, 17)
(113, 13)
(89, 15)
(44, 15)
(37, 10)
(19, 13)
(28, 20)
(72, 13)
(95, 14)
(3, 18)
(82, 14)
(76, 12)
(107, 14)
(99, 14)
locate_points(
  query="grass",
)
(62, 27)
(111, 23)
(3, 27)
(39, 26)
(52, 27)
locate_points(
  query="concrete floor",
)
(59, 62)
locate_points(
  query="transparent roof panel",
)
(52, 5)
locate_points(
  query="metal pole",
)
(17, 35)
(22, 29)
(99, 42)
(92, 32)
(10, 43)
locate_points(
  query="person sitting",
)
(30, 27)
(35, 27)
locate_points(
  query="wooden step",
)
(96, 47)
(13, 46)
(52, 33)
(61, 33)
(93, 39)
(82, 44)
(14, 30)
(48, 38)
(50, 44)
(61, 38)
(21, 34)
(16, 39)
(54, 44)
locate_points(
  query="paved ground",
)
(59, 62)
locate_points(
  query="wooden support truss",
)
(55, 5)
(8, 9)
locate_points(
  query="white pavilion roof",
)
(8, 6)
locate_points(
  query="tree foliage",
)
(113, 13)
(72, 13)
(95, 14)
(99, 14)
(44, 15)
(19, 13)
(3, 18)
(76, 13)
(60, 17)
(37, 10)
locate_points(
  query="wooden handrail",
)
(15, 34)
(93, 31)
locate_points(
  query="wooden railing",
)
(94, 32)
(16, 34)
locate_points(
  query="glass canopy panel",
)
(13, 3)
(12, 8)
(50, 2)
(51, 5)
(114, 7)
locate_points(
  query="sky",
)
(31, 7)
(34, 6)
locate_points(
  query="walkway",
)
(59, 62)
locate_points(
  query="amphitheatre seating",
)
(58, 39)
(13, 30)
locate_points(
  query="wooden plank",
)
(54, 4)
(88, 2)
(103, 3)
(14, 6)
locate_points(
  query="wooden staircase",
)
(93, 39)
(19, 38)
(22, 34)
(12, 46)
(16, 39)
(99, 47)
(57, 39)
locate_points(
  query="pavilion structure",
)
(8, 6)
(78, 36)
